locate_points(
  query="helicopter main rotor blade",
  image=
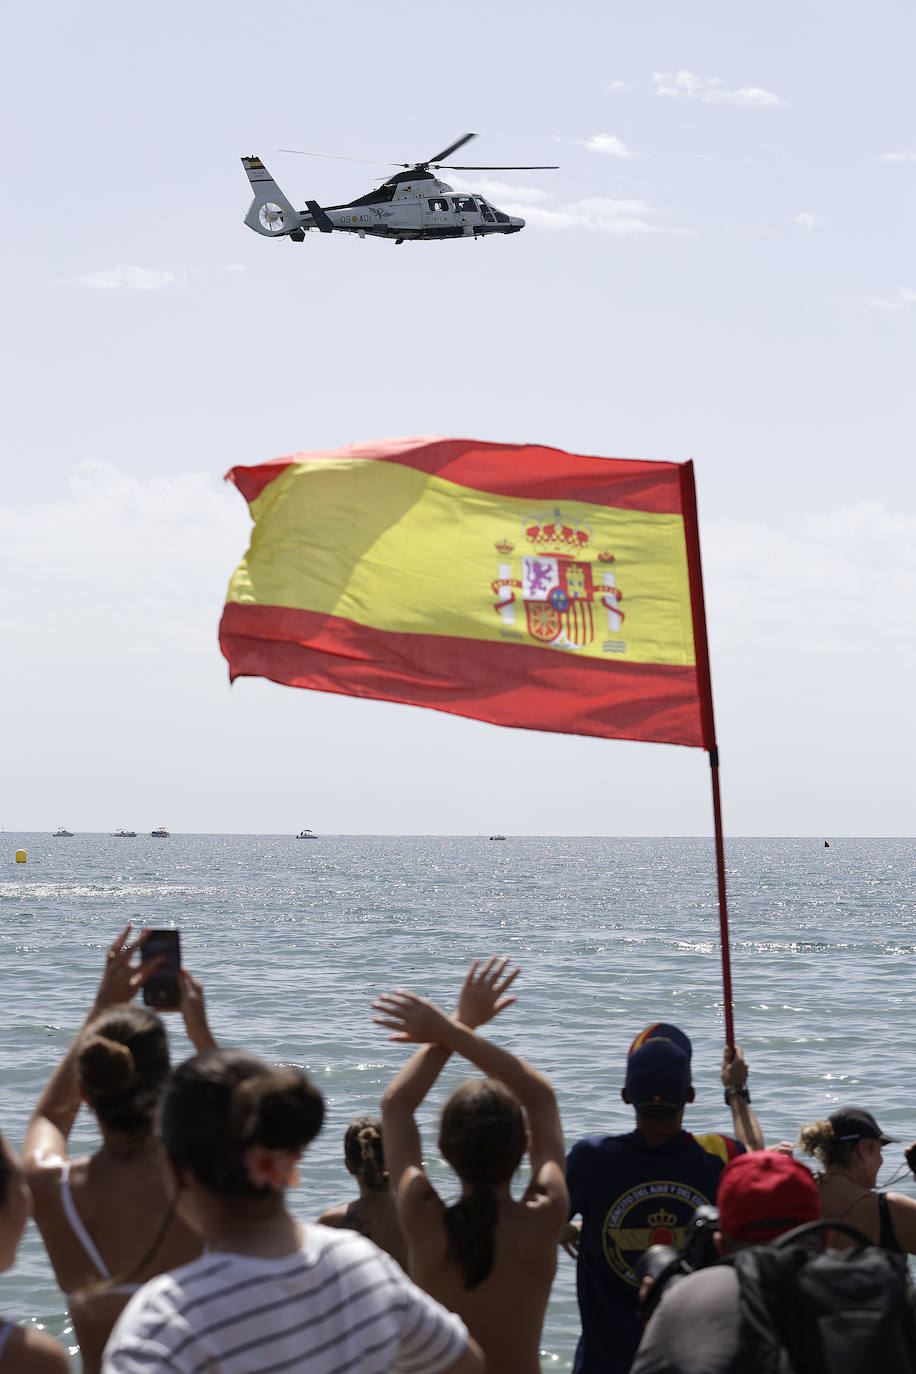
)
(338, 157)
(456, 167)
(447, 152)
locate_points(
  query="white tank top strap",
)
(76, 1222)
(6, 1330)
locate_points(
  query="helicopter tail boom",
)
(270, 213)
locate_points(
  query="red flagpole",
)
(723, 901)
(704, 681)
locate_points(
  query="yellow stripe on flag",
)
(393, 548)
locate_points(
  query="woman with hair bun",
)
(373, 1213)
(23, 1350)
(487, 1257)
(107, 1219)
(849, 1144)
(270, 1294)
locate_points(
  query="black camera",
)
(663, 1265)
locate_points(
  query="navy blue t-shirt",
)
(631, 1195)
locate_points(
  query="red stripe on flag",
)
(524, 471)
(506, 684)
(698, 604)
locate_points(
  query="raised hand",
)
(734, 1068)
(412, 1019)
(121, 978)
(194, 1012)
(482, 994)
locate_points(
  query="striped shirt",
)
(338, 1305)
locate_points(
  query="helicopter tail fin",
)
(270, 213)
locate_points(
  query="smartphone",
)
(162, 990)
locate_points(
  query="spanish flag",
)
(510, 583)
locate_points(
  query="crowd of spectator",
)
(176, 1251)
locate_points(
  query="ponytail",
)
(819, 1139)
(470, 1225)
(482, 1136)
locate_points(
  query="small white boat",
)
(306, 835)
(62, 833)
(160, 833)
(120, 834)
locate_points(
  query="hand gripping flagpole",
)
(704, 678)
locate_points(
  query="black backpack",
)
(806, 1311)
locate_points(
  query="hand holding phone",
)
(161, 990)
(195, 1013)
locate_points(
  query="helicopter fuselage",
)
(408, 206)
(423, 208)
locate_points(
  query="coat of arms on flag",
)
(564, 596)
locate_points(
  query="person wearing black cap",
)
(642, 1188)
(849, 1144)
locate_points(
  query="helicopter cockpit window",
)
(465, 204)
(485, 209)
(438, 205)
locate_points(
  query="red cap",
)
(765, 1193)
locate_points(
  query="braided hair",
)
(365, 1154)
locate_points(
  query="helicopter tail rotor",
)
(270, 213)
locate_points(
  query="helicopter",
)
(412, 204)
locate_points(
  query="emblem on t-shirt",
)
(649, 1214)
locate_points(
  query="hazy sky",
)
(723, 268)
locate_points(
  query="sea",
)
(292, 939)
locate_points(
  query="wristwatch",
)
(737, 1090)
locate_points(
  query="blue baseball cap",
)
(661, 1030)
(658, 1077)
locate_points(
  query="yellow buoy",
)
(20, 856)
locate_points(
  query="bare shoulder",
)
(547, 1196)
(416, 1197)
(334, 1216)
(33, 1352)
(544, 1215)
(421, 1212)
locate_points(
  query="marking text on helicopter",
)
(412, 204)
